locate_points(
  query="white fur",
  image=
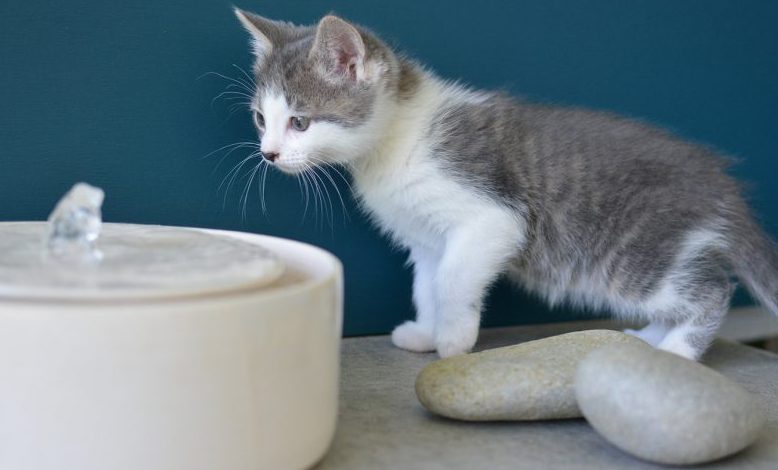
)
(676, 342)
(652, 334)
(673, 316)
(459, 239)
(419, 335)
(277, 114)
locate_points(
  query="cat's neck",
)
(408, 112)
(406, 130)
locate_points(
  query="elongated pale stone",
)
(528, 381)
(664, 408)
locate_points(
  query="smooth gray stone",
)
(528, 381)
(382, 426)
(663, 408)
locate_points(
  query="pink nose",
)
(270, 156)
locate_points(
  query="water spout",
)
(74, 226)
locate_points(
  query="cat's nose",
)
(270, 156)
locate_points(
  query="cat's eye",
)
(259, 119)
(300, 123)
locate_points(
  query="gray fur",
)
(610, 194)
(608, 200)
(615, 189)
(291, 69)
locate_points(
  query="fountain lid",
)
(137, 262)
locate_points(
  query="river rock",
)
(528, 381)
(663, 408)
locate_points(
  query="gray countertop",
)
(383, 426)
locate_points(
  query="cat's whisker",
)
(225, 95)
(240, 83)
(234, 87)
(328, 165)
(231, 95)
(239, 104)
(237, 89)
(236, 107)
(251, 82)
(233, 174)
(245, 195)
(230, 151)
(314, 193)
(337, 171)
(299, 187)
(248, 81)
(329, 199)
(236, 144)
(335, 167)
(262, 187)
(232, 91)
(304, 179)
(324, 180)
(321, 207)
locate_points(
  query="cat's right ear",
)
(263, 32)
(339, 49)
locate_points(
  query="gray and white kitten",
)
(577, 206)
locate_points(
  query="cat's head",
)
(321, 90)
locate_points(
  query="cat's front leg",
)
(419, 335)
(476, 253)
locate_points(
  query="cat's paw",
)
(652, 334)
(414, 337)
(635, 333)
(460, 342)
(680, 345)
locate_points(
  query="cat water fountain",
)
(162, 348)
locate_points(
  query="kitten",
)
(577, 206)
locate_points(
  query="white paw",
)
(453, 344)
(635, 333)
(649, 337)
(413, 337)
(677, 344)
(653, 333)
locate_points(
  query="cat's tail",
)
(754, 257)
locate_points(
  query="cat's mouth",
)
(289, 166)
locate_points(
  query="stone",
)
(663, 408)
(527, 381)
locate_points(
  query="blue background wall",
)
(107, 92)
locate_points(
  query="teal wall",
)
(108, 92)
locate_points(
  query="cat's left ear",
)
(339, 49)
(264, 32)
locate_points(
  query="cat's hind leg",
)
(419, 335)
(691, 338)
(702, 291)
(653, 333)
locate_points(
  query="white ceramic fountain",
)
(163, 348)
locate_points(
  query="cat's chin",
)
(290, 171)
(289, 168)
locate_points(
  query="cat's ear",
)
(264, 32)
(340, 49)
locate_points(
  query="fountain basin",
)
(235, 379)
